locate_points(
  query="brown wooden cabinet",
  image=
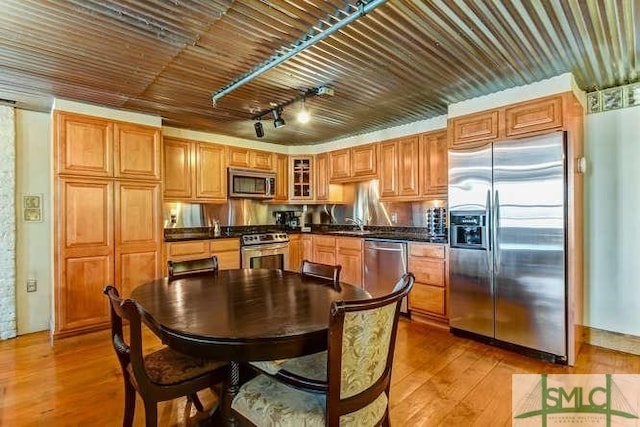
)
(354, 164)
(211, 172)
(339, 165)
(364, 161)
(515, 120)
(324, 249)
(400, 168)
(529, 117)
(248, 158)
(388, 169)
(179, 173)
(428, 299)
(349, 256)
(322, 176)
(84, 253)
(474, 129)
(84, 145)
(307, 247)
(434, 164)
(136, 152)
(295, 252)
(282, 177)
(138, 230)
(194, 171)
(301, 178)
(107, 215)
(227, 251)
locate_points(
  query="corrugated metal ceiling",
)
(405, 61)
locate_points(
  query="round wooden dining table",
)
(242, 315)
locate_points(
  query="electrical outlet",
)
(32, 285)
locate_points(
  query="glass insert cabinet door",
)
(301, 182)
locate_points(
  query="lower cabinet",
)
(324, 249)
(295, 252)
(107, 232)
(227, 251)
(349, 256)
(345, 251)
(428, 299)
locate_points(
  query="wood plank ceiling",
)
(404, 61)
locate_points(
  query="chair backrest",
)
(362, 338)
(179, 269)
(129, 351)
(330, 273)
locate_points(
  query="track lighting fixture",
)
(259, 129)
(278, 121)
(276, 109)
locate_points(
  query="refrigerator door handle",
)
(495, 225)
(488, 243)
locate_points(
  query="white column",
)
(7, 223)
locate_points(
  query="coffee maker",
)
(287, 218)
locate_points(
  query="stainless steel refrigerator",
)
(508, 216)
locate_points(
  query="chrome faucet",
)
(356, 221)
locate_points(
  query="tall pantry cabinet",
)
(107, 215)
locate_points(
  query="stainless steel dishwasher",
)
(384, 263)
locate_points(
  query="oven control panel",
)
(264, 238)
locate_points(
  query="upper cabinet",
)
(194, 171)
(93, 146)
(248, 158)
(434, 164)
(282, 177)
(521, 119)
(211, 172)
(322, 176)
(354, 164)
(533, 116)
(474, 129)
(414, 167)
(301, 178)
(136, 152)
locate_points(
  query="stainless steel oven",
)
(265, 250)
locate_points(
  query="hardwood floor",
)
(438, 379)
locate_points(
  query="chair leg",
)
(129, 403)
(196, 401)
(150, 413)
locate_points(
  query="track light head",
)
(278, 121)
(259, 129)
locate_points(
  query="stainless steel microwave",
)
(251, 184)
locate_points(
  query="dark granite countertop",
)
(413, 234)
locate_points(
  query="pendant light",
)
(303, 114)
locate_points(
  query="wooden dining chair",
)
(158, 376)
(311, 270)
(326, 272)
(351, 387)
(180, 269)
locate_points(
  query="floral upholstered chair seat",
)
(361, 340)
(267, 402)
